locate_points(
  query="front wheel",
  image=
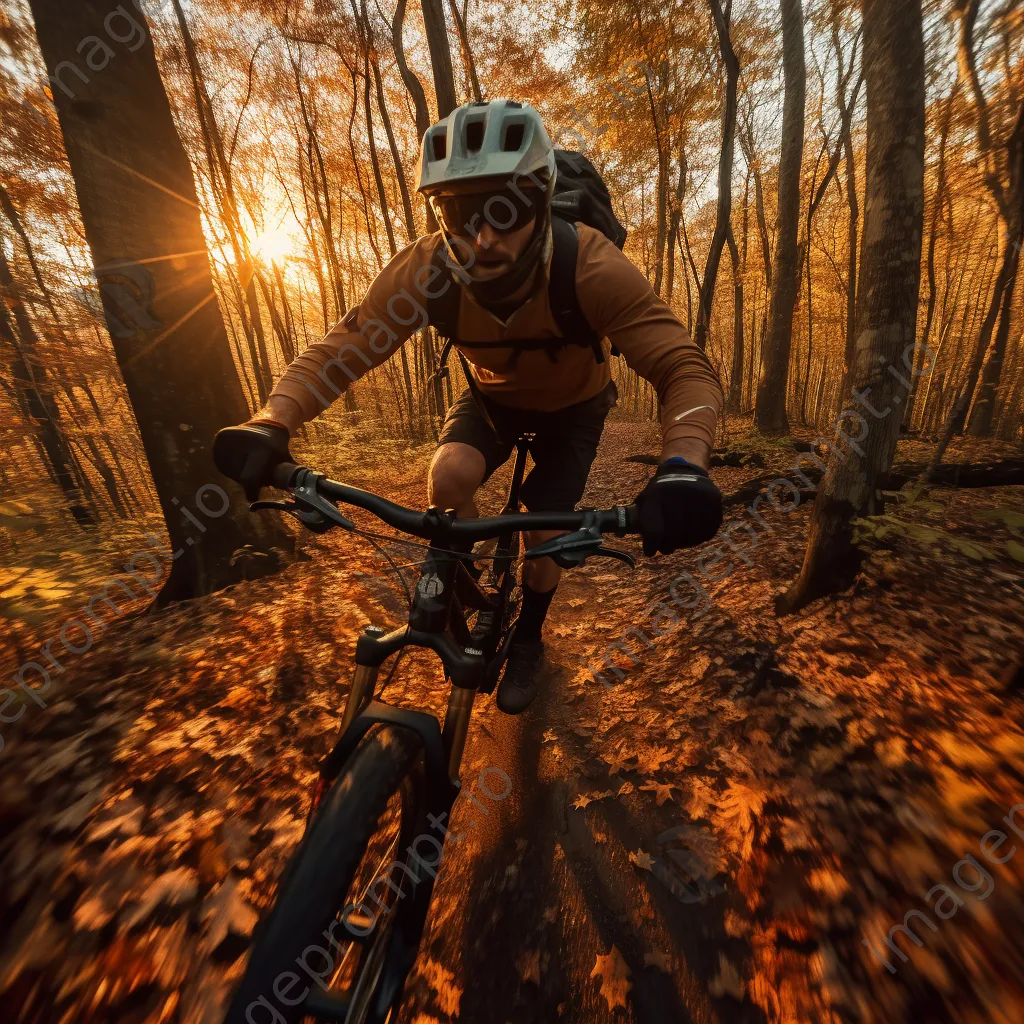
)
(346, 923)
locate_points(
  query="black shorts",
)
(563, 447)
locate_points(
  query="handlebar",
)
(314, 493)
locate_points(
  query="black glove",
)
(250, 453)
(679, 508)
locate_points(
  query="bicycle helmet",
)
(491, 146)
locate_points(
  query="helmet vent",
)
(513, 138)
(474, 136)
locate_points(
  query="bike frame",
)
(437, 621)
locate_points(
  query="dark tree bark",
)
(888, 293)
(1003, 173)
(440, 57)
(138, 202)
(661, 203)
(415, 87)
(933, 231)
(723, 213)
(467, 50)
(736, 376)
(770, 408)
(34, 396)
(982, 417)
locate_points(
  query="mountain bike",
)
(350, 909)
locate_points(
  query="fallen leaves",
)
(617, 761)
(659, 959)
(613, 973)
(642, 860)
(588, 798)
(225, 910)
(442, 981)
(662, 791)
(172, 887)
(739, 806)
(652, 759)
(528, 966)
(727, 982)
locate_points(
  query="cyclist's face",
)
(497, 225)
(494, 252)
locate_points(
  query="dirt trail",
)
(708, 838)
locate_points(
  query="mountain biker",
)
(488, 171)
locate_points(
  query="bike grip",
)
(283, 474)
(632, 519)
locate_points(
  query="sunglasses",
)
(504, 209)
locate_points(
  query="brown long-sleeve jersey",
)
(615, 297)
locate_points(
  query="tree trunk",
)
(440, 57)
(467, 51)
(34, 395)
(138, 202)
(736, 376)
(888, 293)
(982, 415)
(933, 231)
(724, 211)
(770, 409)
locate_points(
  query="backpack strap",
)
(565, 306)
(443, 309)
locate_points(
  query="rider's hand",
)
(250, 453)
(679, 508)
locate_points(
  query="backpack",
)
(580, 195)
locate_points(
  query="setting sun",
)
(273, 245)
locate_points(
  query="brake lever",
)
(309, 508)
(622, 556)
(571, 550)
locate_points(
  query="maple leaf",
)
(528, 966)
(614, 977)
(703, 858)
(796, 835)
(642, 860)
(739, 805)
(651, 759)
(226, 911)
(656, 958)
(550, 735)
(662, 790)
(172, 887)
(442, 981)
(617, 761)
(702, 796)
(727, 982)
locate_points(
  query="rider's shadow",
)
(532, 895)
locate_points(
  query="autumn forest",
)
(770, 798)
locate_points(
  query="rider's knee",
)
(455, 474)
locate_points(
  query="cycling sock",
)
(533, 611)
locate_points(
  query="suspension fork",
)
(456, 727)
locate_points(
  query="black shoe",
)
(521, 678)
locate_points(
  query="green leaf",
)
(977, 552)
(1016, 550)
(1011, 517)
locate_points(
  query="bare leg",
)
(456, 471)
(541, 574)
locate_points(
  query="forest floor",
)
(719, 834)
